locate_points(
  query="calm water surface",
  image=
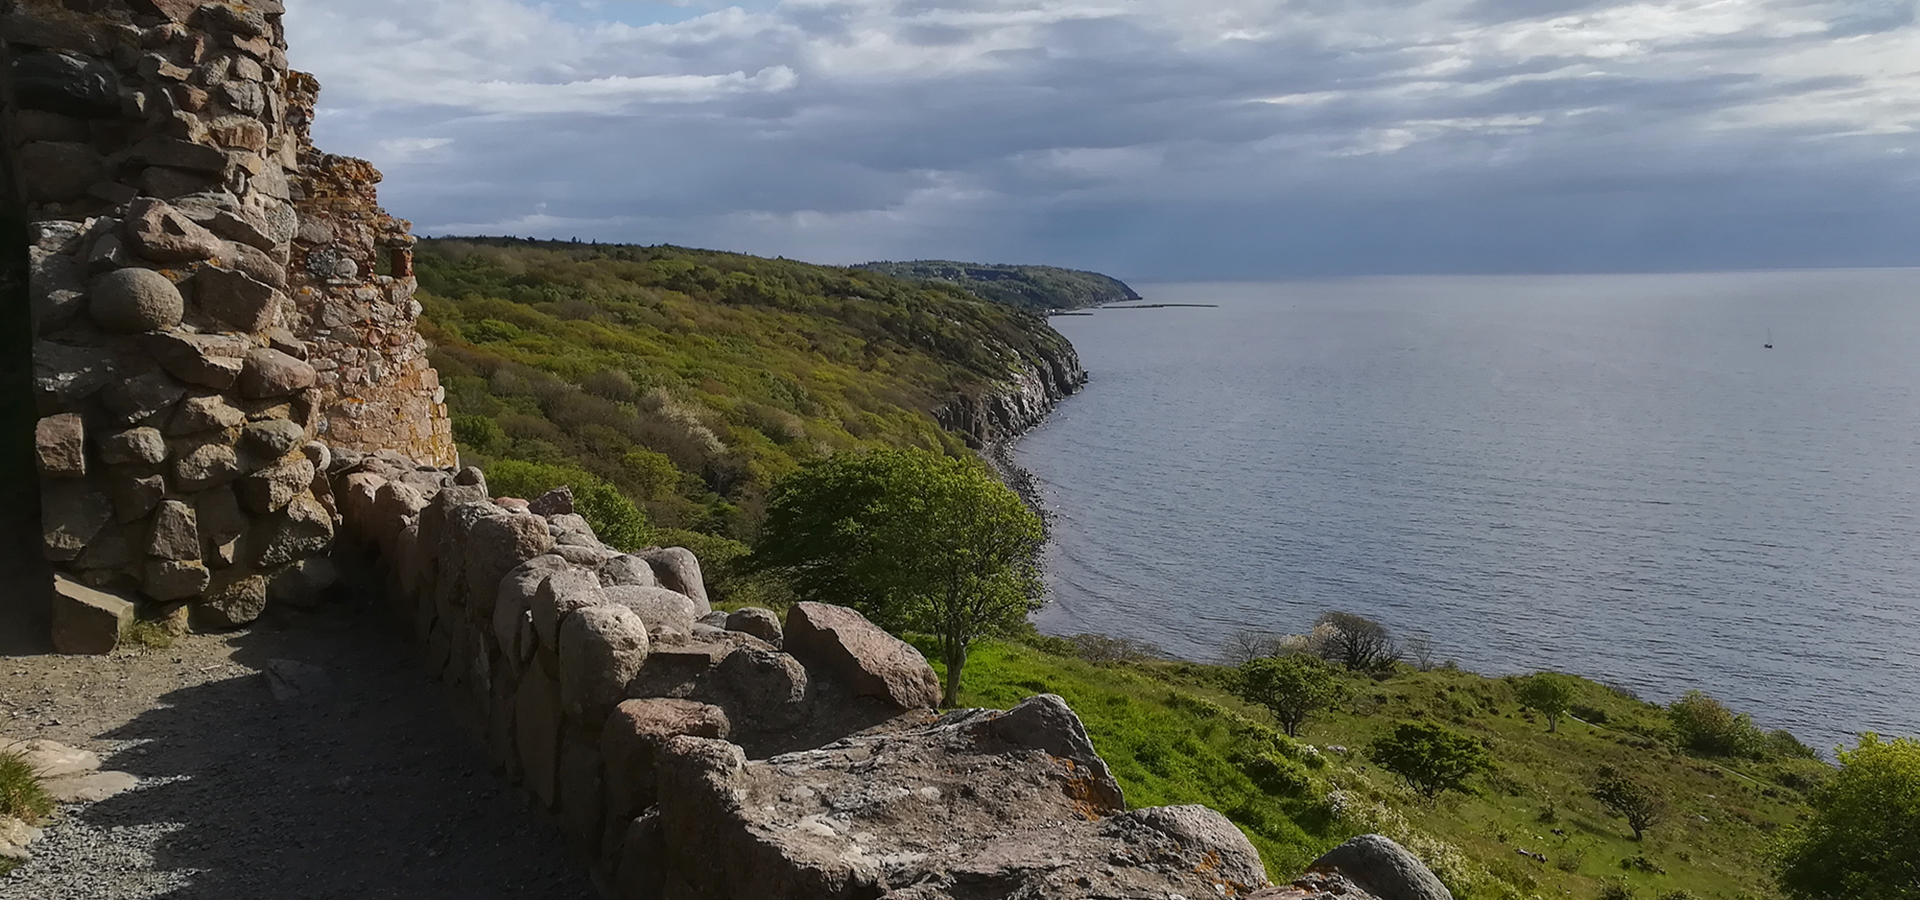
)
(1606, 475)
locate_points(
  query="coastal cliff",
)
(996, 412)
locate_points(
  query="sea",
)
(1607, 475)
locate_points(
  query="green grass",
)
(150, 635)
(21, 794)
(1174, 733)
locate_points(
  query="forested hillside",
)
(1035, 288)
(687, 381)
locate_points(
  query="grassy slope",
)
(1035, 288)
(691, 380)
(1168, 731)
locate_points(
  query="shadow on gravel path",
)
(349, 779)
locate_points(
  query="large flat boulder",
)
(943, 808)
(871, 662)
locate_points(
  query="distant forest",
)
(1032, 288)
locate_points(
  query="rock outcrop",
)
(210, 297)
(1005, 408)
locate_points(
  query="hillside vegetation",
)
(687, 381)
(1177, 732)
(1032, 288)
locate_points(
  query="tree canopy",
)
(1431, 758)
(913, 539)
(1863, 841)
(1639, 803)
(1293, 687)
(1550, 693)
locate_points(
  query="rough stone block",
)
(67, 84)
(60, 446)
(133, 300)
(72, 512)
(161, 233)
(166, 579)
(270, 490)
(203, 412)
(222, 524)
(601, 649)
(559, 596)
(175, 534)
(301, 529)
(679, 570)
(761, 623)
(138, 399)
(304, 583)
(210, 360)
(56, 172)
(627, 570)
(863, 655)
(134, 495)
(135, 446)
(495, 546)
(86, 621)
(239, 300)
(270, 373)
(234, 599)
(635, 732)
(65, 377)
(209, 465)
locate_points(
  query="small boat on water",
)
(1769, 344)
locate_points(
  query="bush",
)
(1704, 726)
(21, 794)
(1615, 890)
(615, 519)
(478, 433)
(1274, 773)
(1863, 840)
(1431, 758)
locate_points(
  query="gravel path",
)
(362, 785)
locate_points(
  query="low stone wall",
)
(700, 754)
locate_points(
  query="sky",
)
(1156, 140)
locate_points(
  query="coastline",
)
(999, 457)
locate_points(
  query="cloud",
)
(1157, 138)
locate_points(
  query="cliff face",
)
(998, 411)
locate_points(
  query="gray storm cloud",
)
(1154, 138)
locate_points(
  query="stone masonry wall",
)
(701, 755)
(206, 305)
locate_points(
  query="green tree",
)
(1431, 758)
(1354, 641)
(1639, 803)
(913, 539)
(1293, 687)
(1550, 693)
(1703, 725)
(1863, 841)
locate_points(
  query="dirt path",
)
(362, 785)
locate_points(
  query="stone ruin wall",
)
(699, 755)
(215, 304)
